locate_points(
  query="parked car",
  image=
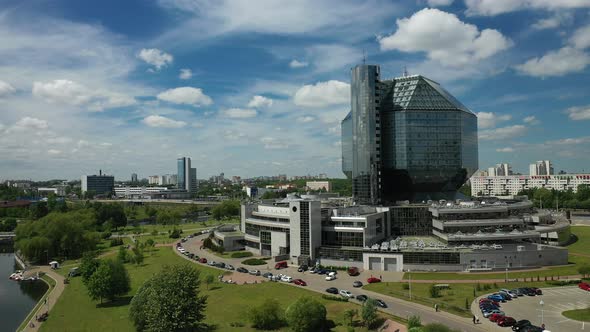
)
(254, 272)
(585, 286)
(302, 268)
(332, 290)
(506, 321)
(286, 279)
(220, 265)
(203, 260)
(181, 250)
(362, 298)
(183, 240)
(373, 280)
(357, 284)
(495, 317)
(537, 290)
(497, 298)
(314, 270)
(299, 282)
(322, 271)
(267, 275)
(281, 265)
(346, 294)
(353, 271)
(242, 269)
(330, 277)
(487, 314)
(381, 304)
(520, 324)
(212, 263)
(518, 292)
(191, 255)
(512, 294)
(532, 328)
(229, 266)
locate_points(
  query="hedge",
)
(253, 261)
(241, 254)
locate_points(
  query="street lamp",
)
(542, 303)
(410, 283)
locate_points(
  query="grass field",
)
(227, 304)
(451, 300)
(184, 226)
(580, 314)
(582, 246)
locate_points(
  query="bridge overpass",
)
(7, 236)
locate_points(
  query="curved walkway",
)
(50, 299)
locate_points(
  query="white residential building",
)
(513, 184)
(541, 167)
(318, 185)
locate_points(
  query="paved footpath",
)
(33, 325)
(317, 283)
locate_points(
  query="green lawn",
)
(451, 300)
(227, 304)
(582, 246)
(580, 314)
(184, 226)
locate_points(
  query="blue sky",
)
(254, 88)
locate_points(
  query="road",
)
(318, 283)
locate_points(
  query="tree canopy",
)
(108, 281)
(306, 315)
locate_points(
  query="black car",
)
(381, 303)
(322, 271)
(191, 255)
(357, 284)
(220, 265)
(332, 290)
(521, 324)
(242, 270)
(532, 328)
(362, 298)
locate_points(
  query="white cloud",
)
(439, 3)
(490, 119)
(306, 119)
(73, 93)
(506, 149)
(239, 113)
(323, 94)
(531, 120)
(163, 122)
(54, 152)
(581, 37)
(185, 74)
(259, 102)
(579, 113)
(272, 143)
(556, 63)
(570, 141)
(330, 57)
(29, 123)
(233, 135)
(6, 89)
(298, 64)
(502, 133)
(58, 140)
(444, 38)
(186, 95)
(198, 125)
(552, 22)
(155, 57)
(496, 7)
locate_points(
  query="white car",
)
(229, 267)
(181, 250)
(345, 293)
(331, 276)
(286, 279)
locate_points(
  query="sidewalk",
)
(51, 298)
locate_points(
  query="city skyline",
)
(265, 94)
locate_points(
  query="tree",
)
(369, 312)
(267, 316)
(584, 270)
(39, 210)
(306, 315)
(170, 301)
(150, 244)
(122, 255)
(89, 265)
(209, 279)
(349, 315)
(434, 291)
(414, 321)
(108, 281)
(137, 254)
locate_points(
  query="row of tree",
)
(565, 199)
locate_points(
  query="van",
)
(353, 271)
(281, 265)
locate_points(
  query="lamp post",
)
(542, 303)
(410, 283)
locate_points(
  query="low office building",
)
(98, 184)
(514, 184)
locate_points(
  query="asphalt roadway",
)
(318, 283)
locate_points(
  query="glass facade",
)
(181, 176)
(345, 239)
(424, 140)
(366, 158)
(304, 228)
(346, 127)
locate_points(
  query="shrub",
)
(267, 316)
(306, 314)
(241, 254)
(434, 291)
(414, 321)
(406, 286)
(253, 261)
(116, 242)
(334, 298)
(175, 234)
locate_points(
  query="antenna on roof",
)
(364, 56)
(406, 71)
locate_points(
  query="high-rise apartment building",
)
(187, 176)
(541, 167)
(410, 138)
(500, 170)
(346, 126)
(133, 177)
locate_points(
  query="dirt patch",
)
(242, 278)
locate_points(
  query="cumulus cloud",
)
(439, 3)
(298, 64)
(305, 119)
(531, 120)
(323, 94)
(272, 143)
(155, 57)
(76, 94)
(330, 57)
(29, 123)
(233, 135)
(556, 63)
(490, 119)
(186, 95)
(502, 133)
(496, 7)
(185, 74)
(259, 102)
(552, 22)
(581, 37)
(239, 113)
(6, 89)
(579, 113)
(54, 152)
(444, 38)
(162, 122)
(506, 149)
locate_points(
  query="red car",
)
(484, 300)
(281, 265)
(299, 282)
(203, 260)
(353, 271)
(506, 321)
(585, 286)
(373, 280)
(495, 317)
